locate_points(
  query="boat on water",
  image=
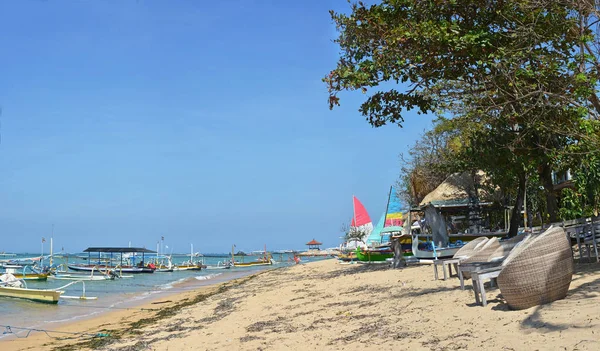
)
(10, 286)
(129, 265)
(264, 260)
(190, 265)
(220, 265)
(83, 277)
(258, 262)
(20, 272)
(94, 275)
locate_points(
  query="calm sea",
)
(116, 294)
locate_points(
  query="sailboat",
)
(377, 250)
(394, 224)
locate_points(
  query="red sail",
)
(361, 217)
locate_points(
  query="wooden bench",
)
(445, 262)
(479, 277)
(473, 267)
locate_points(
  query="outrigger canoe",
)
(40, 295)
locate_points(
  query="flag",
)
(166, 246)
(43, 240)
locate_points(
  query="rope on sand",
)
(9, 330)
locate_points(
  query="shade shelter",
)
(314, 245)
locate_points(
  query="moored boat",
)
(13, 287)
(265, 260)
(20, 272)
(190, 265)
(374, 254)
(120, 266)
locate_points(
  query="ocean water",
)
(125, 293)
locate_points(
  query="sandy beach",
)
(327, 306)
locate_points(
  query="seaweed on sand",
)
(132, 328)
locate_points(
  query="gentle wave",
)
(207, 277)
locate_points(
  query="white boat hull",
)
(83, 277)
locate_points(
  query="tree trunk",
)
(551, 201)
(515, 218)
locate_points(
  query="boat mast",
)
(353, 214)
(387, 206)
(51, 239)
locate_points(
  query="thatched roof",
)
(454, 190)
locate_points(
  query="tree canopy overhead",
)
(441, 50)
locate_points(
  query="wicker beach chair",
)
(484, 252)
(538, 271)
(480, 257)
(470, 248)
(506, 246)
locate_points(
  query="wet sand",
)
(327, 306)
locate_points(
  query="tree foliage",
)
(514, 80)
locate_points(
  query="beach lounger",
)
(538, 271)
(465, 252)
(490, 256)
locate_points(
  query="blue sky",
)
(203, 122)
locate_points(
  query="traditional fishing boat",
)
(84, 276)
(190, 265)
(220, 265)
(10, 286)
(265, 260)
(374, 254)
(120, 266)
(20, 272)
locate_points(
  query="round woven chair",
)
(506, 246)
(538, 271)
(481, 255)
(469, 248)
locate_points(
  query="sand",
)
(327, 306)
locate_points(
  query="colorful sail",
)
(374, 238)
(360, 218)
(393, 216)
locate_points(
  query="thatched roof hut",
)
(458, 188)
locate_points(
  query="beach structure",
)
(314, 245)
(460, 209)
(314, 249)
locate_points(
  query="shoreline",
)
(90, 325)
(323, 305)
